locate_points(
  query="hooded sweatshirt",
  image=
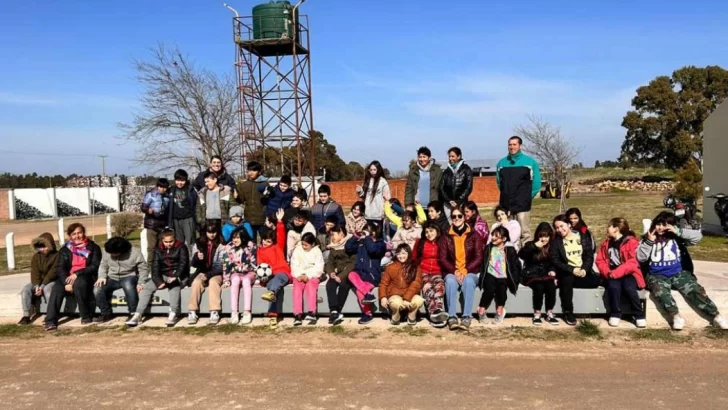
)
(128, 264)
(43, 267)
(423, 183)
(667, 255)
(309, 263)
(294, 237)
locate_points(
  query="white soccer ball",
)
(263, 271)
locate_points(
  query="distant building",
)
(715, 158)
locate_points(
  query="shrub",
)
(124, 224)
(589, 329)
(689, 181)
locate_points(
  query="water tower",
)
(273, 64)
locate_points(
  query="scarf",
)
(79, 249)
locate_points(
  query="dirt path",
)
(25, 231)
(320, 371)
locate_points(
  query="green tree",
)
(689, 181)
(666, 124)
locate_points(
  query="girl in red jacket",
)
(426, 256)
(618, 265)
(271, 252)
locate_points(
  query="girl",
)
(307, 268)
(300, 226)
(573, 257)
(337, 266)
(207, 260)
(426, 255)
(538, 273)
(369, 250)
(436, 213)
(578, 224)
(664, 250)
(77, 269)
(501, 272)
(238, 270)
(373, 191)
(400, 286)
(473, 218)
(272, 252)
(502, 218)
(456, 183)
(409, 232)
(355, 221)
(461, 259)
(618, 265)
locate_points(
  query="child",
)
(473, 218)
(373, 192)
(355, 221)
(238, 270)
(664, 252)
(207, 260)
(307, 268)
(501, 272)
(181, 214)
(300, 226)
(369, 249)
(408, 232)
(578, 224)
(539, 274)
(337, 266)
(426, 254)
(436, 213)
(618, 265)
(155, 206)
(42, 276)
(503, 218)
(272, 252)
(324, 207)
(417, 209)
(323, 233)
(400, 286)
(213, 203)
(236, 221)
(297, 202)
(278, 197)
(251, 198)
(171, 271)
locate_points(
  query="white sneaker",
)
(678, 323)
(614, 321)
(214, 318)
(171, 319)
(247, 319)
(192, 318)
(234, 318)
(721, 322)
(136, 318)
(641, 323)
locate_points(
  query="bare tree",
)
(554, 152)
(187, 114)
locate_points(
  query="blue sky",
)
(388, 76)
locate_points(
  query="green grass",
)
(410, 331)
(523, 333)
(19, 331)
(590, 329)
(659, 335)
(715, 333)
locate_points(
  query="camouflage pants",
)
(687, 285)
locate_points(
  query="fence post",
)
(108, 227)
(61, 232)
(144, 244)
(646, 224)
(10, 249)
(11, 204)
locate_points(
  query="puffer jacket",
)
(430, 258)
(369, 254)
(480, 226)
(394, 282)
(340, 261)
(172, 262)
(628, 258)
(456, 185)
(65, 259)
(274, 255)
(43, 267)
(238, 259)
(513, 268)
(413, 180)
(473, 252)
(159, 204)
(319, 213)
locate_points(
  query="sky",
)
(388, 76)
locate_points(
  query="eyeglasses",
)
(459, 216)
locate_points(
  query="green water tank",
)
(273, 20)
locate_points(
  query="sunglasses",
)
(459, 216)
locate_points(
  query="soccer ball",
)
(263, 271)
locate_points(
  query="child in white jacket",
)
(307, 268)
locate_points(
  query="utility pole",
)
(103, 165)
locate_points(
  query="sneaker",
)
(234, 318)
(465, 324)
(192, 318)
(25, 320)
(369, 299)
(552, 319)
(273, 322)
(298, 320)
(570, 319)
(396, 316)
(50, 327)
(214, 318)
(452, 323)
(136, 318)
(87, 321)
(641, 323)
(537, 320)
(438, 316)
(394, 322)
(483, 319)
(171, 319)
(678, 323)
(103, 318)
(499, 318)
(365, 319)
(411, 322)
(614, 321)
(268, 296)
(332, 317)
(720, 322)
(247, 318)
(312, 320)
(309, 316)
(339, 319)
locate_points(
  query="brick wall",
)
(485, 190)
(4, 207)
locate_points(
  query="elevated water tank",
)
(274, 20)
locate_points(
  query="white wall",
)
(107, 196)
(40, 198)
(76, 197)
(715, 152)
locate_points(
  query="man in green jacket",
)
(423, 180)
(519, 181)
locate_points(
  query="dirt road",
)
(138, 369)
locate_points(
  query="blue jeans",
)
(103, 294)
(451, 294)
(276, 285)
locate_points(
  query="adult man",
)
(155, 206)
(519, 181)
(423, 180)
(121, 268)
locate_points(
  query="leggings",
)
(309, 290)
(540, 289)
(362, 288)
(246, 280)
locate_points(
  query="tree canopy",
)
(666, 124)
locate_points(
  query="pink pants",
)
(362, 288)
(310, 291)
(246, 280)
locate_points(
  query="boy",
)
(183, 199)
(324, 207)
(155, 206)
(213, 202)
(300, 226)
(251, 198)
(297, 202)
(42, 276)
(278, 197)
(323, 233)
(236, 220)
(170, 270)
(121, 267)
